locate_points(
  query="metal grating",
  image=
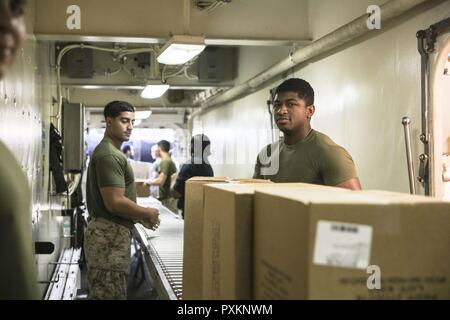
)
(163, 250)
(65, 279)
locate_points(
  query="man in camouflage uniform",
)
(111, 201)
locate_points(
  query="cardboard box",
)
(193, 232)
(193, 236)
(141, 169)
(141, 172)
(142, 190)
(325, 245)
(228, 237)
(227, 241)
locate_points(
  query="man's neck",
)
(291, 138)
(115, 142)
(165, 156)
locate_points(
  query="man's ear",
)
(310, 111)
(108, 121)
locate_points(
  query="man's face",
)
(158, 152)
(122, 126)
(12, 32)
(290, 111)
(155, 152)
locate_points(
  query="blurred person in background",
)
(128, 151)
(197, 166)
(165, 171)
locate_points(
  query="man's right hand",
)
(151, 220)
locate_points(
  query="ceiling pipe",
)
(160, 41)
(353, 30)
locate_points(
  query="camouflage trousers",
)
(171, 204)
(107, 251)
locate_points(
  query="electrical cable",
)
(121, 53)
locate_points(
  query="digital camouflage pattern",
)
(107, 285)
(107, 250)
(171, 204)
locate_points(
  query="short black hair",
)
(300, 86)
(197, 140)
(17, 7)
(164, 145)
(114, 108)
(126, 148)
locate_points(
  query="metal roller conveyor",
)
(163, 250)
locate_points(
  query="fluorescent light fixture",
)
(152, 91)
(141, 115)
(181, 49)
(137, 122)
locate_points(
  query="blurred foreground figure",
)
(17, 266)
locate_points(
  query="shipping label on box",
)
(344, 245)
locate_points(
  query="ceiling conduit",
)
(353, 30)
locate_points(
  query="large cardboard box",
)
(193, 236)
(356, 245)
(193, 232)
(228, 237)
(227, 242)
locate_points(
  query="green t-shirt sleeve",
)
(164, 167)
(337, 166)
(110, 172)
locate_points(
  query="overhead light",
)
(137, 122)
(181, 49)
(141, 115)
(153, 91)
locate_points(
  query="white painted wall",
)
(374, 84)
(241, 126)
(362, 92)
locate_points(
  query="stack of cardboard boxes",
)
(193, 236)
(357, 245)
(299, 241)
